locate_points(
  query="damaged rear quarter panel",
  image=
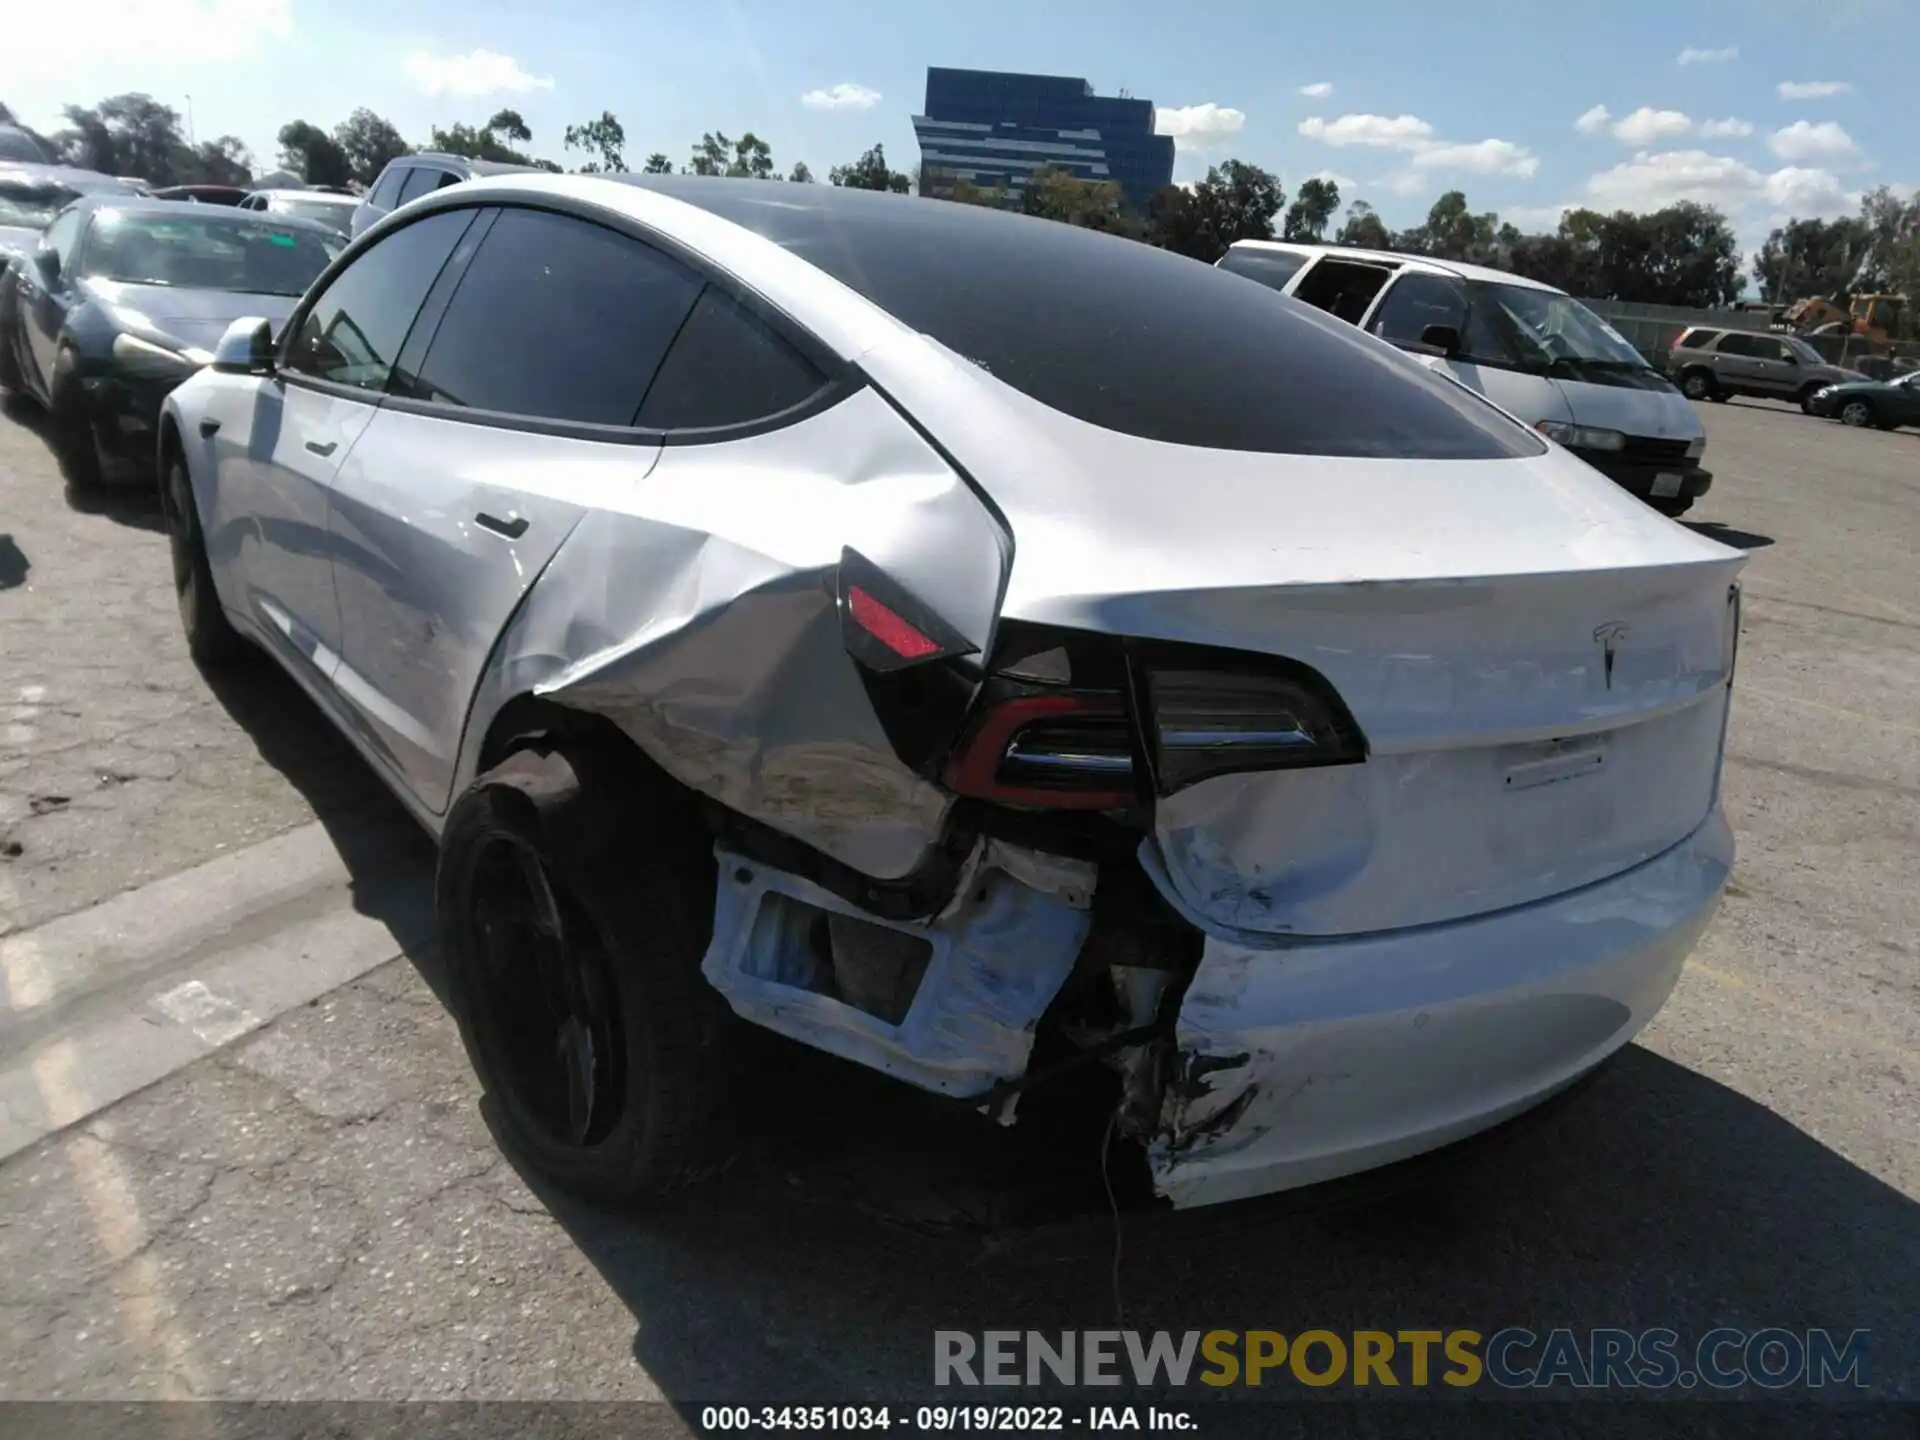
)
(695, 609)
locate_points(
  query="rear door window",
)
(386, 194)
(557, 319)
(728, 367)
(1738, 344)
(1342, 288)
(420, 179)
(1272, 268)
(353, 331)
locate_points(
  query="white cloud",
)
(150, 33)
(1812, 89)
(1725, 129)
(1646, 125)
(1479, 157)
(1319, 90)
(1400, 132)
(845, 96)
(1592, 122)
(1414, 138)
(1803, 140)
(1691, 56)
(1538, 217)
(1195, 127)
(1651, 181)
(478, 72)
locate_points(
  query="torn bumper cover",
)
(1302, 1062)
(950, 1005)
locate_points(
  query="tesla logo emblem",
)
(1610, 637)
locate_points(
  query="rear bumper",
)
(1638, 476)
(1306, 1062)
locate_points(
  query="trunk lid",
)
(1539, 662)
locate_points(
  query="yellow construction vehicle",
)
(1877, 316)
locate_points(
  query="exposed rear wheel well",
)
(532, 722)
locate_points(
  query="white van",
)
(1535, 351)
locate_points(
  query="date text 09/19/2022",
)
(941, 1419)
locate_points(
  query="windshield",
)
(201, 250)
(326, 212)
(1547, 332)
(28, 206)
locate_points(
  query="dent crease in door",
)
(697, 611)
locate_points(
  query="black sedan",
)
(1885, 403)
(124, 298)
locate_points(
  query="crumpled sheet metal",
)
(696, 611)
(998, 960)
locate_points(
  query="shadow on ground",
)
(388, 856)
(1651, 1197)
(134, 503)
(1727, 535)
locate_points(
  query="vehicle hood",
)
(1652, 413)
(186, 317)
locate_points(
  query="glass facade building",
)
(995, 129)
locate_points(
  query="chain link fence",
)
(1652, 329)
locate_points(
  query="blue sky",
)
(1764, 107)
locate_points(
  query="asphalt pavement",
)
(310, 1206)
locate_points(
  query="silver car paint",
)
(694, 610)
(1449, 602)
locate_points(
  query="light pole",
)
(189, 121)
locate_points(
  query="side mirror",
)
(1791, 358)
(246, 348)
(1441, 340)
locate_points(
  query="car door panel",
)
(438, 529)
(280, 493)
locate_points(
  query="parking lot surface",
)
(316, 1210)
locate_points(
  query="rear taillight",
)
(1210, 722)
(1063, 750)
(1075, 746)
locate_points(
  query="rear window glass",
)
(1117, 333)
(1697, 339)
(726, 368)
(1269, 267)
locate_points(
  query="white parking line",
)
(105, 1002)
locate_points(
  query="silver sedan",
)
(946, 637)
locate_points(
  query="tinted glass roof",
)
(1115, 332)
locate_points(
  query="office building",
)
(995, 129)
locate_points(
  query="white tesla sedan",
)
(946, 637)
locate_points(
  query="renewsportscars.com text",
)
(1514, 1358)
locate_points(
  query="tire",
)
(72, 427)
(1672, 509)
(1857, 413)
(1699, 385)
(11, 380)
(573, 917)
(1806, 398)
(211, 638)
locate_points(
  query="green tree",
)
(657, 164)
(313, 155)
(369, 142)
(129, 134)
(1363, 229)
(222, 162)
(1813, 257)
(1236, 201)
(1453, 232)
(1312, 210)
(509, 124)
(604, 138)
(712, 155)
(871, 172)
(1052, 193)
(752, 159)
(800, 174)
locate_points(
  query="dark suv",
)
(1711, 364)
(412, 176)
